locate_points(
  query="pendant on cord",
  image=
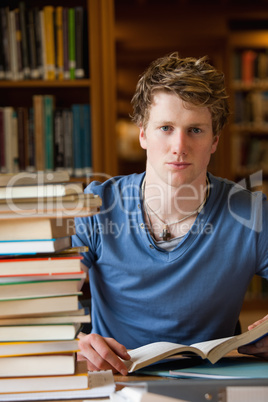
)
(165, 235)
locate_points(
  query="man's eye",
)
(165, 128)
(195, 130)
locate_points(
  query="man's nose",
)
(180, 143)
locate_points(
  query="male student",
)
(174, 249)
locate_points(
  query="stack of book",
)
(41, 277)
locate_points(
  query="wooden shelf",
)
(47, 84)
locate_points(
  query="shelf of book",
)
(249, 103)
(84, 83)
(92, 83)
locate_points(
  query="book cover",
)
(6, 44)
(49, 131)
(49, 41)
(38, 41)
(79, 35)
(212, 350)
(71, 42)
(22, 137)
(13, 338)
(66, 68)
(2, 52)
(40, 266)
(38, 365)
(34, 306)
(19, 44)
(33, 178)
(30, 161)
(59, 39)
(67, 121)
(10, 140)
(77, 141)
(13, 46)
(45, 228)
(59, 140)
(35, 288)
(25, 48)
(34, 246)
(79, 380)
(2, 142)
(32, 44)
(38, 108)
(86, 139)
(40, 190)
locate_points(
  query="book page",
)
(153, 352)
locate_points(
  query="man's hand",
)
(102, 353)
(260, 348)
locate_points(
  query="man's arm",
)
(259, 348)
(102, 353)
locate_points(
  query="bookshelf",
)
(96, 88)
(248, 51)
(249, 95)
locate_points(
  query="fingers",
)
(102, 353)
(260, 348)
(256, 323)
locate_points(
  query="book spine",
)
(49, 131)
(13, 46)
(39, 132)
(79, 31)
(49, 41)
(71, 40)
(2, 141)
(38, 41)
(43, 44)
(32, 46)
(59, 140)
(25, 49)
(67, 117)
(8, 112)
(22, 136)
(18, 44)
(77, 153)
(59, 41)
(87, 148)
(2, 56)
(66, 71)
(248, 71)
(15, 142)
(30, 163)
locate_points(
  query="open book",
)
(212, 350)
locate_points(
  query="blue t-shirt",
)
(142, 293)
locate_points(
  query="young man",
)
(174, 249)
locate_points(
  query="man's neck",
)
(171, 202)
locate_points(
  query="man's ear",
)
(142, 138)
(215, 142)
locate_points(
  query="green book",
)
(71, 38)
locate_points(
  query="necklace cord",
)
(166, 235)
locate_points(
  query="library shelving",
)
(249, 134)
(249, 98)
(95, 87)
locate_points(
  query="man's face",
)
(179, 141)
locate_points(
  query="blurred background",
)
(234, 36)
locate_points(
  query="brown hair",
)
(193, 80)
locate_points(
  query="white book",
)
(34, 246)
